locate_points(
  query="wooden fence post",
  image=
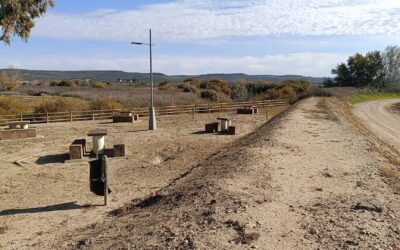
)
(70, 116)
(166, 112)
(21, 119)
(209, 111)
(194, 111)
(47, 117)
(93, 115)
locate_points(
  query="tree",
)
(391, 61)
(9, 79)
(17, 17)
(239, 91)
(361, 71)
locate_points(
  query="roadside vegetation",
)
(374, 70)
(371, 95)
(72, 95)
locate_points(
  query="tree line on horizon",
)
(375, 69)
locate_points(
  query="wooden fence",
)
(142, 112)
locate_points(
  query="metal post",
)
(152, 116)
(104, 177)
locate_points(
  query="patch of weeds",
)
(392, 177)
(3, 230)
(361, 184)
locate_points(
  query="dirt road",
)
(380, 118)
(306, 180)
(48, 195)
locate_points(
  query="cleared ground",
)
(46, 197)
(382, 117)
(310, 179)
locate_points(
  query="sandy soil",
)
(47, 196)
(309, 179)
(382, 117)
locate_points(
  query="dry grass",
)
(61, 105)
(392, 177)
(106, 104)
(9, 106)
(127, 95)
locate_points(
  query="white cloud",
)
(308, 64)
(209, 19)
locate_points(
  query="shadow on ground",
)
(57, 207)
(48, 159)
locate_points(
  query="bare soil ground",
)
(309, 179)
(47, 197)
(382, 117)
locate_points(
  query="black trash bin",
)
(95, 178)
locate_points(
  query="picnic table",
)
(18, 125)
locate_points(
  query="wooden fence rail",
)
(142, 112)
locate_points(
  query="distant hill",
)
(114, 76)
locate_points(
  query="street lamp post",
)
(152, 112)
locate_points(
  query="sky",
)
(304, 37)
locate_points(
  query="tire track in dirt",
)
(378, 116)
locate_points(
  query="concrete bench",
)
(117, 151)
(18, 125)
(125, 118)
(225, 123)
(212, 127)
(8, 134)
(77, 149)
(233, 130)
(247, 110)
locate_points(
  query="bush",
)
(210, 94)
(9, 106)
(67, 83)
(240, 91)
(99, 85)
(193, 81)
(8, 81)
(218, 85)
(59, 105)
(167, 85)
(187, 87)
(106, 104)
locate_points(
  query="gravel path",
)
(380, 117)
